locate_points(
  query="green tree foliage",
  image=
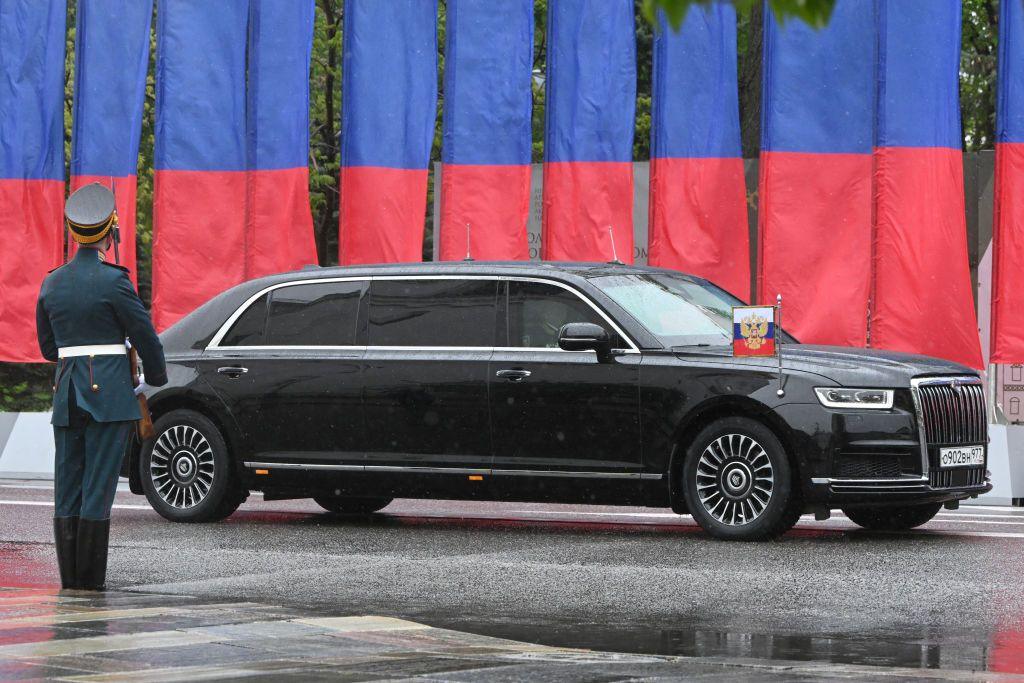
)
(814, 12)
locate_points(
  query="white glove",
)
(143, 387)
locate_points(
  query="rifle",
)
(144, 425)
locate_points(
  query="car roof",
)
(538, 268)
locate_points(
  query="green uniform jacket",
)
(88, 301)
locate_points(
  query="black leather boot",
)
(65, 538)
(93, 535)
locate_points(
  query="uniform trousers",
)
(88, 462)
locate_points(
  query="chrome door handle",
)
(232, 371)
(513, 375)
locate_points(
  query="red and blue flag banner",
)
(485, 152)
(1008, 226)
(111, 60)
(922, 296)
(31, 164)
(815, 174)
(200, 178)
(753, 331)
(698, 212)
(387, 128)
(588, 139)
(280, 226)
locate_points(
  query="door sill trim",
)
(414, 469)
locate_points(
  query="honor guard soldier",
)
(87, 308)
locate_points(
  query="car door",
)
(429, 340)
(557, 410)
(289, 371)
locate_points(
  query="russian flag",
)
(31, 164)
(387, 128)
(922, 299)
(815, 174)
(485, 177)
(1008, 227)
(588, 139)
(279, 233)
(698, 212)
(111, 60)
(199, 202)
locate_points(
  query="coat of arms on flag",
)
(753, 331)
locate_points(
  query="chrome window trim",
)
(915, 391)
(416, 469)
(214, 344)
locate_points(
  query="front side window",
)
(537, 311)
(249, 328)
(317, 314)
(425, 312)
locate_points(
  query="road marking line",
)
(127, 641)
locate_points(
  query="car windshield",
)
(679, 310)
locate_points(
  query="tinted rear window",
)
(320, 314)
(432, 312)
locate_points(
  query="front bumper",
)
(908, 490)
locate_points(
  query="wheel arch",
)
(715, 409)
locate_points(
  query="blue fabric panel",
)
(111, 58)
(200, 108)
(591, 81)
(819, 85)
(389, 97)
(32, 89)
(1010, 107)
(280, 44)
(696, 102)
(919, 73)
(488, 68)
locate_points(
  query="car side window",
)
(315, 314)
(537, 311)
(249, 329)
(425, 312)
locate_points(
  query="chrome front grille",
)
(953, 411)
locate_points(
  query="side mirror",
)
(585, 337)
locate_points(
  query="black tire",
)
(730, 460)
(191, 477)
(892, 517)
(347, 505)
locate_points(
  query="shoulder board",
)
(116, 265)
(57, 268)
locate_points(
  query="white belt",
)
(92, 350)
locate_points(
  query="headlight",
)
(842, 397)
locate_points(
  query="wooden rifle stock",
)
(144, 425)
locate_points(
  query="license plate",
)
(962, 456)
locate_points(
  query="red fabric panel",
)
(1008, 259)
(815, 237)
(280, 230)
(698, 220)
(581, 200)
(34, 238)
(923, 297)
(125, 194)
(199, 244)
(382, 214)
(495, 202)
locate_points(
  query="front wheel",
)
(186, 470)
(345, 505)
(892, 517)
(738, 481)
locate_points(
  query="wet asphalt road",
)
(949, 596)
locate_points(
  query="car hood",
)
(849, 366)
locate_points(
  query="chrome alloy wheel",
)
(735, 479)
(182, 467)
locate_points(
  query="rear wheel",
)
(738, 481)
(186, 470)
(347, 505)
(892, 517)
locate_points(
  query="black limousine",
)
(583, 383)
